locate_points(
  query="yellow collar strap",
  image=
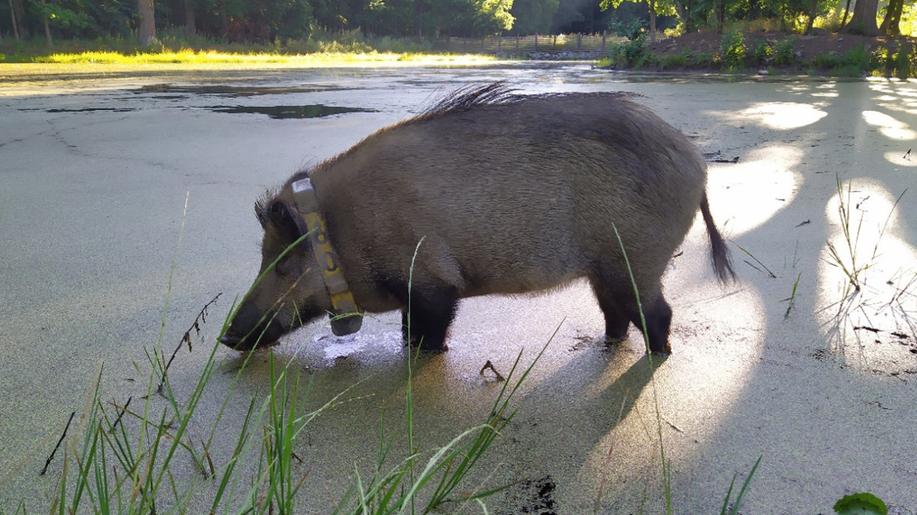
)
(346, 317)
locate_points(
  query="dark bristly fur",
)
(510, 194)
(469, 97)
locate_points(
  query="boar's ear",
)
(280, 216)
(261, 209)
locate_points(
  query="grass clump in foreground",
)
(128, 467)
(128, 464)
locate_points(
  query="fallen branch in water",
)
(490, 366)
(56, 447)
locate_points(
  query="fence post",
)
(603, 40)
(554, 42)
(536, 41)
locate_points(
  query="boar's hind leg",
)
(432, 311)
(616, 298)
(616, 320)
(658, 315)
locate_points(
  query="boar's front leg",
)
(432, 312)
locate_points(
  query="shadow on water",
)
(285, 112)
(233, 91)
(91, 109)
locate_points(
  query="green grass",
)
(176, 49)
(255, 59)
(124, 461)
(116, 466)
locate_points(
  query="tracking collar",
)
(345, 316)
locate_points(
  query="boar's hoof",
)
(661, 350)
(424, 346)
(617, 332)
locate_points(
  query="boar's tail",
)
(720, 254)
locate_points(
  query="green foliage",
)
(863, 503)
(674, 61)
(704, 59)
(630, 54)
(905, 61)
(534, 16)
(733, 50)
(274, 21)
(785, 52)
(854, 63)
(764, 53)
(630, 29)
(71, 16)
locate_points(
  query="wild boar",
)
(497, 193)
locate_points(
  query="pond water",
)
(126, 201)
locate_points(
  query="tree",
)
(492, 16)
(720, 15)
(534, 16)
(864, 18)
(813, 12)
(190, 24)
(146, 28)
(655, 7)
(891, 22)
(14, 19)
(684, 8)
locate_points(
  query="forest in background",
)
(278, 21)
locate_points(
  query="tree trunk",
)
(890, 24)
(720, 15)
(846, 13)
(864, 18)
(651, 5)
(682, 11)
(190, 28)
(14, 20)
(146, 30)
(47, 30)
(813, 12)
(687, 17)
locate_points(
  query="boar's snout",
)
(251, 327)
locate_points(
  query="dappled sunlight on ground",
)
(896, 96)
(755, 189)
(781, 115)
(715, 353)
(889, 126)
(827, 90)
(901, 159)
